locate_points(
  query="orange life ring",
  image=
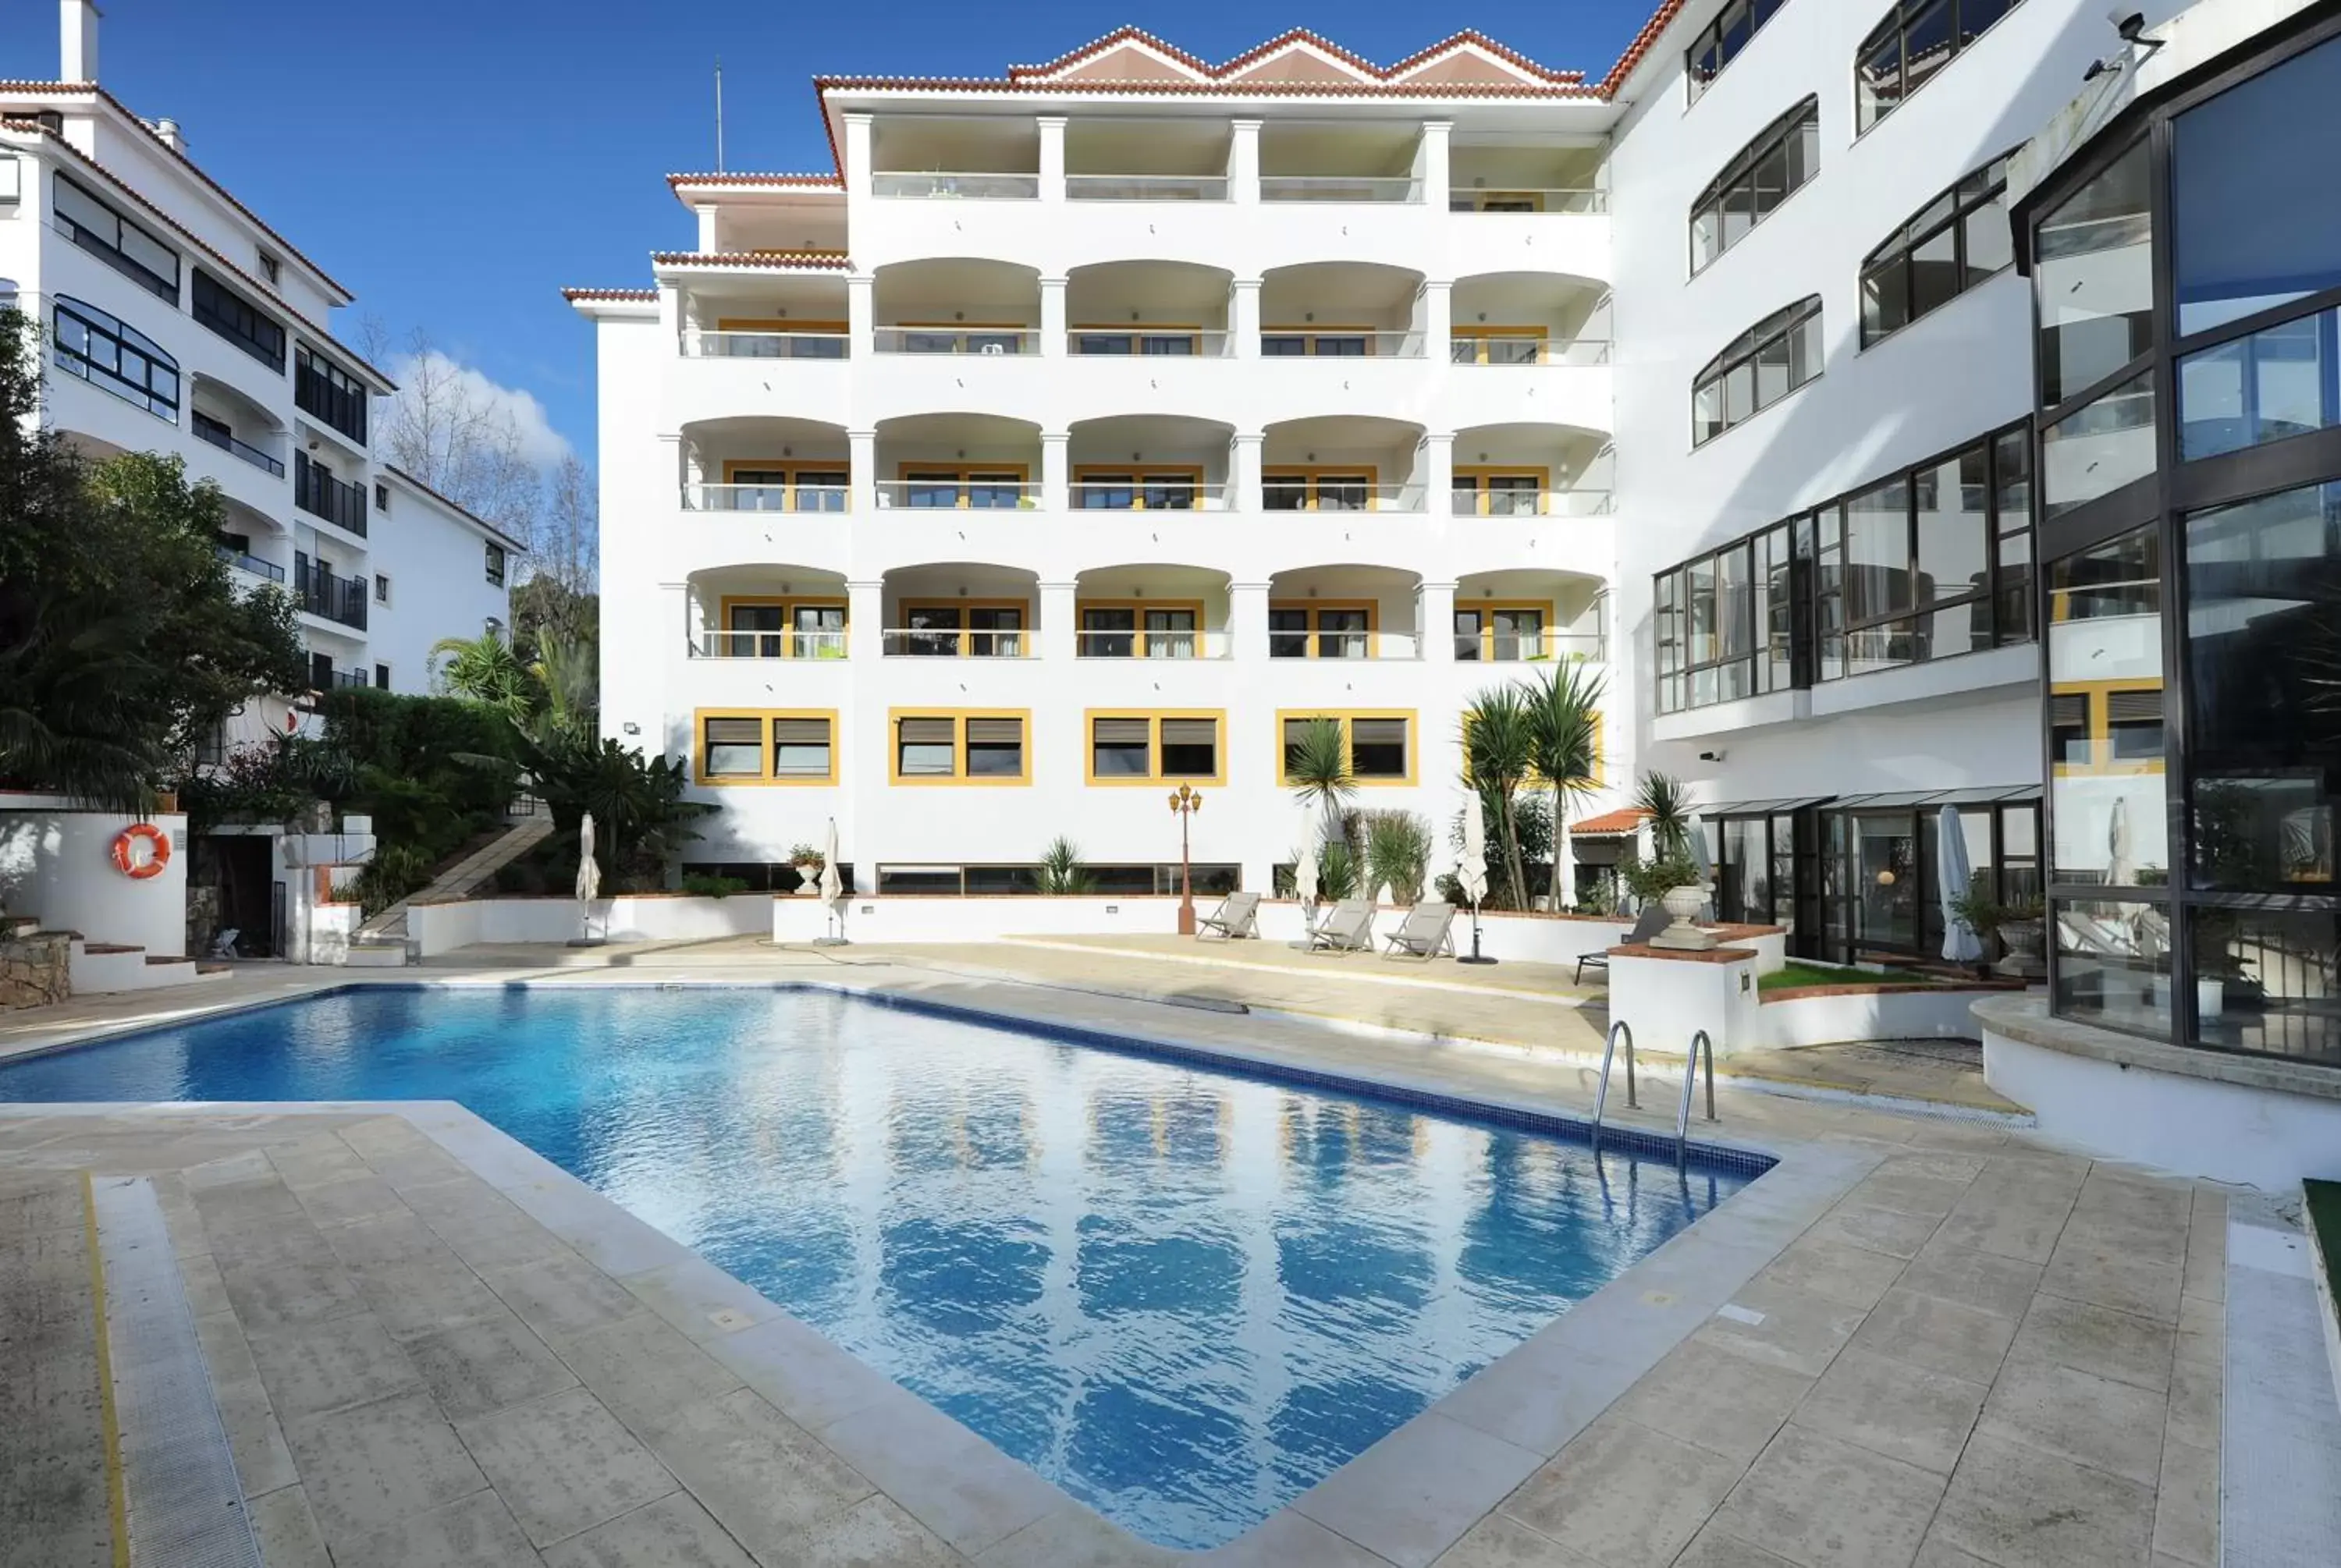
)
(125, 855)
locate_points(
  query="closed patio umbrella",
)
(2119, 872)
(832, 888)
(1471, 872)
(1695, 839)
(588, 884)
(1962, 944)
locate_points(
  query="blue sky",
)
(456, 162)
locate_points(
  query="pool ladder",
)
(1700, 1045)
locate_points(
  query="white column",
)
(1248, 620)
(1053, 157)
(1437, 321)
(865, 619)
(1243, 164)
(1056, 476)
(1243, 474)
(678, 615)
(1439, 473)
(706, 216)
(1053, 341)
(861, 475)
(1243, 317)
(1055, 637)
(671, 322)
(1431, 163)
(860, 314)
(858, 142)
(1434, 622)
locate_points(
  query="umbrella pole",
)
(1474, 955)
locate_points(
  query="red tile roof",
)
(260, 291)
(91, 89)
(1253, 57)
(1611, 824)
(791, 181)
(835, 259)
(639, 296)
(1660, 20)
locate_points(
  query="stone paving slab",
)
(527, 1417)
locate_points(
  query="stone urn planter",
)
(2027, 942)
(1683, 903)
(808, 877)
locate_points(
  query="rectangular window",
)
(750, 747)
(382, 677)
(2093, 278)
(495, 563)
(108, 352)
(134, 252)
(982, 746)
(802, 749)
(325, 390)
(1143, 749)
(733, 749)
(1380, 745)
(381, 589)
(225, 312)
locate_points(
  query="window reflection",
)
(2105, 713)
(2098, 448)
(2112, 964)
(2094, 278)
(2272, 384)
(2265, 981)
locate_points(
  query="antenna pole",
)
(719, 114)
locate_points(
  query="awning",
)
(1912, 799)
(1765, 807)
(1618, 824)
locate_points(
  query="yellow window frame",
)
(1311, 332)
(1315, 474)
(788, 606)
(1139, 472)
(960, 472)
(1535, 776)
(789, 470)
(1347, 717)
(1480, 334)
(764, 778)
(1137, 634)
(1154, 717)
(966, 636)
(1373, 620)
(959, 776)
(1134, 331)
(1480, 473)
(2098, 694)
(1487, 608)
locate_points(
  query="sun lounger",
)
(1236, 916)
(1653, 920)
(1349, 929)
(1426, 932)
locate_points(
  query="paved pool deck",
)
(1916, 1341)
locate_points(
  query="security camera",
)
(1710, 756)
(2128, 24)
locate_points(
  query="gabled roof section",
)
(829, 182)
(832, 260)
(610, 296)
(1125, 54)
(510, 542)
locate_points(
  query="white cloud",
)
(455, 384)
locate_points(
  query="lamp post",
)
(1185, 802)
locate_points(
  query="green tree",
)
(485, 670)
(1567, 708)
(1663, 799)
(1317, 769)
(1499, 743)
(123, 639)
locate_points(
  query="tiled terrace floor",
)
(1984, 1352)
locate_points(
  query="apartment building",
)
(175, 320)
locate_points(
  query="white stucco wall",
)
(436, 557)
(58, 864)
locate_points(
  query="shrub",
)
(713, 886)
(396, 871)
(1649, 880)
(1398, 853)
(1338, 871)
(1060, 872)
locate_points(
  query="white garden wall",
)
(58, 864)
(436, 928)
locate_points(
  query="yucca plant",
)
(1499, 735)
(1568, 709)
(1338, 870)
(1662, 798)
(1061, 873)
(1397, 853)
(1316, 768)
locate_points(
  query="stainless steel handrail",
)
(1690, 1081)
(1609, 1052)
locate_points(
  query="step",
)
(104, 947)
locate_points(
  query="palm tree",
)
(1567, 708)
(1663, 799)
(1500, 733)
(1317, 767)
(484, 669)
(564, 671)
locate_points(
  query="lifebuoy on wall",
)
(127, 858)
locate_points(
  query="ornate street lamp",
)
(1185, 802)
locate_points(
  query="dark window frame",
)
(326, 391)
(1716, 42)
(1746, 352)
(231, 316)
(96, 324)
(1897, 25)
(499, 564)
(1671, 616)
(1973, 192)
(1742, 169)
(110, 249)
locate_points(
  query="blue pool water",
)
(1183, 1294)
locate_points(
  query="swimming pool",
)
(1182, 1294)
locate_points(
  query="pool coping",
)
(1405, 1499)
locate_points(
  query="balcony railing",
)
(1343, 645)
(348, 677)
(946, 642)
(1147, 494)
(1339, 188)
(769, 645)
(1146, 187)
(245, 449)
(1153, 644)
(250, 563)
(1308, 343)
(1491, 647)
(339, 598)
(1533, 503)
(990, 343)
(1143, 342)
(956, 185)
(973, 493)
(760, 345)
(1291, 495)
(1466, 347)
(1528, 199)
(829, 497)
(317, 493)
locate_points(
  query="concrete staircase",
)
(382, 941)
(96, 967)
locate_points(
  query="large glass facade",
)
(2190, 468)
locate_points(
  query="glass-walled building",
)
(2186, 265)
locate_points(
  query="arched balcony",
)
(958, 462)
(1505, 471)
(1149, 462)
(765, 610)
(957, 306)
(782, 316)
(1344, 612)
(960, 609)
(1151, 612)
(756, 463)
(1528, 615)
(1341, 309)
(1149, 309)
(1341, 463)
(1507, 319)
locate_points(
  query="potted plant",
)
(1672, 882)
(808, 863)
(2023, 931)
(1061, 873)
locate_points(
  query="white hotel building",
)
(176, 320)
(1092, 423)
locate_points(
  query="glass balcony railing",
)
(826, 498)
(1375, 188)
(955, 185)
(988, 342)
(1146, 187)
(819, 644)
(765, 345)
(244, 561)
(1528, 199)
